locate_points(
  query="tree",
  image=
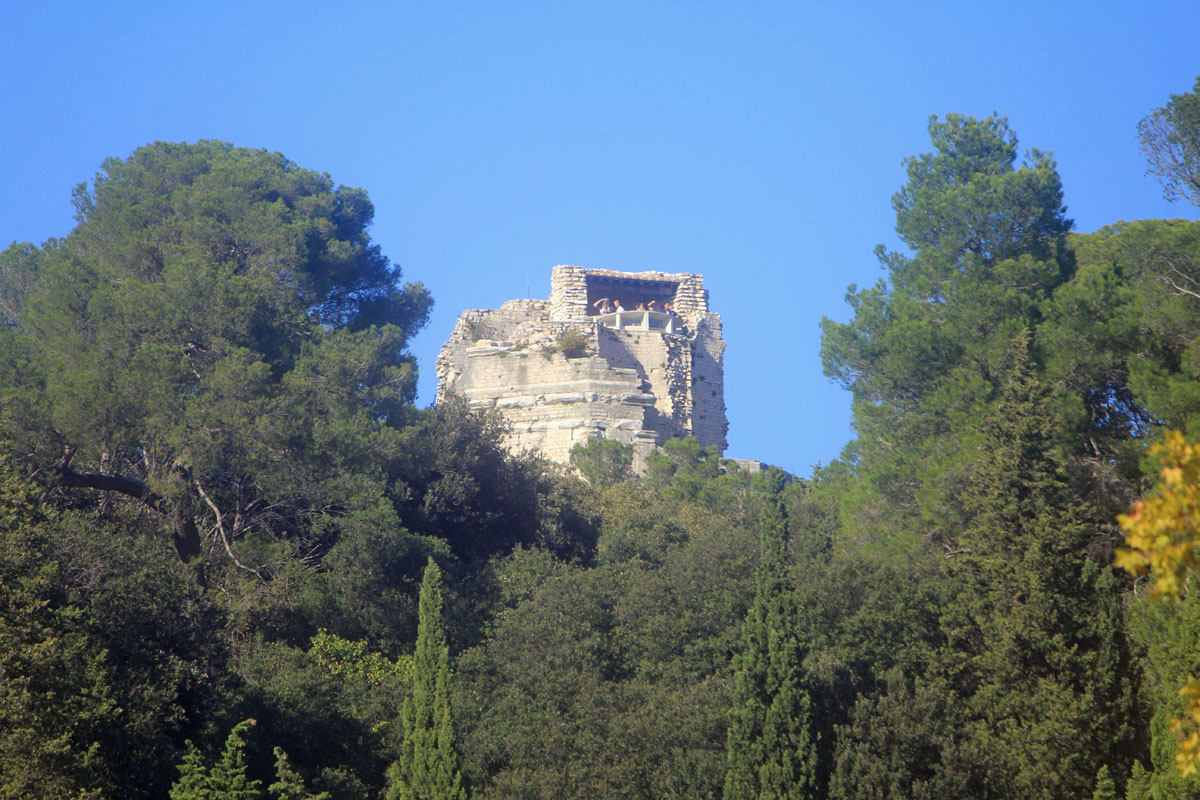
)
(771, 751)
(613, 680)
(289, 785)
(428, 766)
(1037, 636)
(683, 470)
(1162, 532)
(193, 777)
(1170, 138)
(217, 340)
(1169, 631)
(228, 778)
(1105, 788)
(111, 657)
(19, 265)
(225, 780)
(603, 461)
(1162, 261)
(56, 699)
(463, 486)
(332, 720)
(926, 348)
(1024, 684)
(1031, 685)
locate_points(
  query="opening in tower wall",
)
(630, 291)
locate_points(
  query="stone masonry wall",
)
(569, 295)
(635, 386)
(663, 362)
(568, 292)
(708, 422)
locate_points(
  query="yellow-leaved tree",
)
(1162, 532)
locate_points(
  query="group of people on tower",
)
(606, 305)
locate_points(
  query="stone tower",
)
(560, 371)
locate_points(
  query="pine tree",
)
(770, 748)
(428, 766)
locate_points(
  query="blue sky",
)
(756, 143)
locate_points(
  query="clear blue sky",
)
(756, 143)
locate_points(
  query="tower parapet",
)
(560, 371)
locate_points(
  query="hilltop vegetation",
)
(236, 561)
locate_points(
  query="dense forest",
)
(236, 561)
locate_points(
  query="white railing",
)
(641, 321)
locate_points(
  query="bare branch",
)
(222, 532)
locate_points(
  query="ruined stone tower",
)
(560, 371)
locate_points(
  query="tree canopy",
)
(218, 351)
(1170, 138)
(218, 338)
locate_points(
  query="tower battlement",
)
(562, 370)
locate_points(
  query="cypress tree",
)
(770, 749)
(428, 766)
(1033, 687)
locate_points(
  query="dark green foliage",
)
(770, 751)
(339, 727)
(460, 484)
(612, 681)
(19, 267)
(603, 461)
(172, 671)
(682, 470)
(1170, 138)
(207, 353)
(1035, 670)
(905, 742)
(428, 766)
(217, 339)
(926, 348)
(536, 701)
(1158, 262)
(368, 587)
(1170, 632)
(218, 350)
(111, 657)
(1021, 681)
(1041, 623)
(56, 698)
